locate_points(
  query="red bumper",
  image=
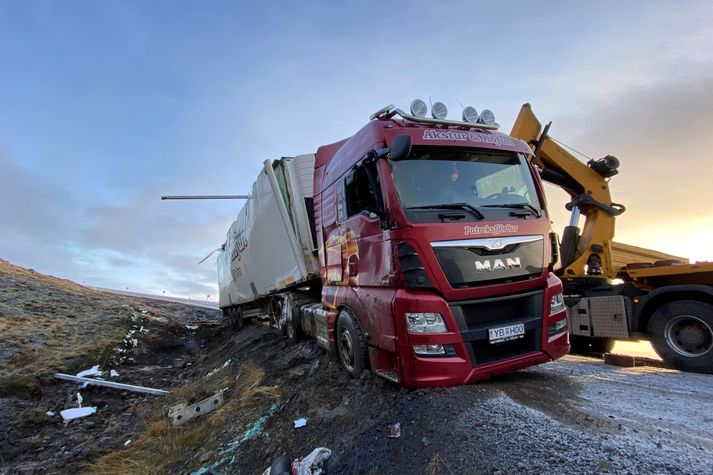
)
(472, 358)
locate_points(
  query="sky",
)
(106, 106)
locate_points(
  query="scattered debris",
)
(127, 442)
(254, 431)
(394, 430)
(182, 413)
(312, 464)
(77, 412)
(111, 384)
(79, 399)
(50, 413)
(93, 371)
(218, 369)
(113, 373)
(301, 422)
(192, 327)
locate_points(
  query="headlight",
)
(557, 303)
(425, 323)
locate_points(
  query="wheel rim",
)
(346, 352)
(689, 336)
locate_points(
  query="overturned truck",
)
(420, 248)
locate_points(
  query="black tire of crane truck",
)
(585, 344)
(681, 332)
(351, 344)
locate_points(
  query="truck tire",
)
(234, 318)
(681, 332)
(351, 344)
(585, 344)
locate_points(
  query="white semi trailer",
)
(271, 246)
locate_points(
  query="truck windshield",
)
(471, 181)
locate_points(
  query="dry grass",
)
(46, 322)
(162, 446)
(434, 465)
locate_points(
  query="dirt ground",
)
(576, 415)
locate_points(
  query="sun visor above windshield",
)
(461, 138)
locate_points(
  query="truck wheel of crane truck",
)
(681, 332)
(584, 344)
(351, 344)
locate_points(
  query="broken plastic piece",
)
(312, 464)
(394, 430)
(301, 422)
(127, 442)
(113, 373)
(93, 371)
(50, 413)
(111, 384)
(77, 412)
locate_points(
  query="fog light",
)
(425, 323)
(557, 303)
(429, 350)
(557, 327)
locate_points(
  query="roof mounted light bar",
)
(390, 111)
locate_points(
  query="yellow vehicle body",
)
(619, 290)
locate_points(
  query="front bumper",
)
(468, 322)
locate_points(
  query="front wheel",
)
(351, 344)
(682, 334)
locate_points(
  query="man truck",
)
(420, 248)
(613, 290)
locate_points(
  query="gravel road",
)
(576, 415)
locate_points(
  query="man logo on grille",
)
(497, 264)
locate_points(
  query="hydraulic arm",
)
(587, 252)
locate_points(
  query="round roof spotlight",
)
(487, 117)
(418, 108)
(470, 114)
(439, 110)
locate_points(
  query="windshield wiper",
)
(465, 206)
(523, 206)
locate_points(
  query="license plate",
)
(510, 332)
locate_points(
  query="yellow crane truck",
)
(615, 291)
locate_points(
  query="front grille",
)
(467, 263)
(475, 317)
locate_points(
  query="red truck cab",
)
(436, 252)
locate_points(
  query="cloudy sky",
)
(105, 106)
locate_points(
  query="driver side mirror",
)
(400, 148)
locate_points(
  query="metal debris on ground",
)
(77, 412)
(394, 430)
(111, 384)
(301, 422)
(182, 413)
(312, 464)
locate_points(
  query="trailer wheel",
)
(235, 318)
(585, 344)
(351, 344)
(682, 334)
